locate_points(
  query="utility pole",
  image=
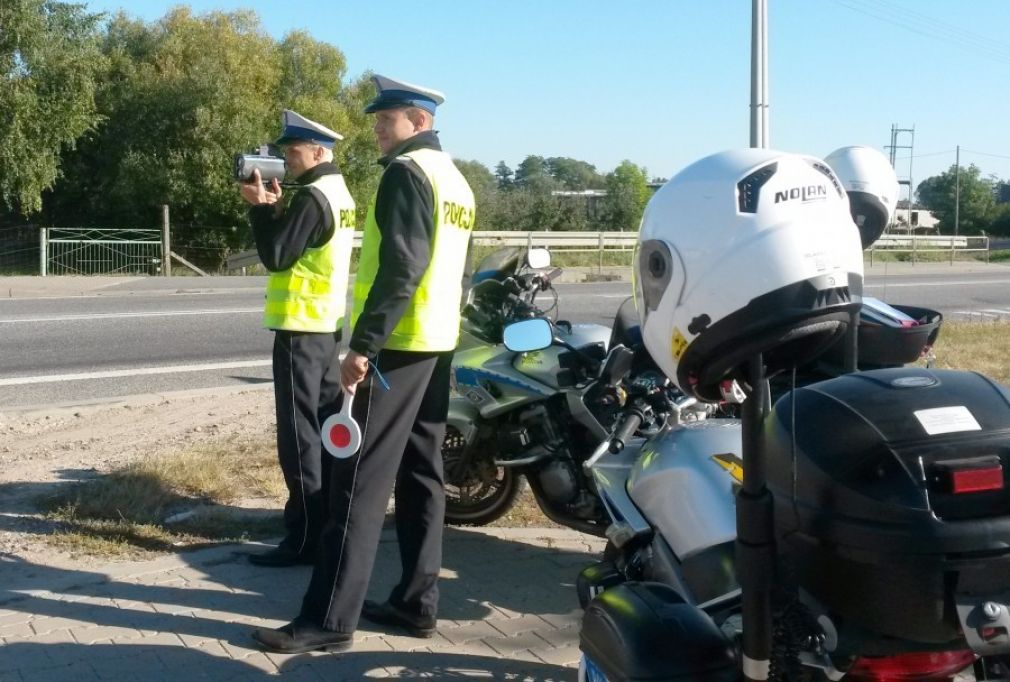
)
(759, 74)
(957, 189)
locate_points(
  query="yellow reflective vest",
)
(310, 296)
(431, 320)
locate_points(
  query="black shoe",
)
(387, 614)
(300, 636)
(282, 555)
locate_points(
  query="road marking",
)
(140, 371)
(105, 316)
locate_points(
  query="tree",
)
(938, 194)
(533, 175)
(1000, 224)
(627, 194)
(483, 183)
(50, 67)
(504, 175)
(185, 95)
(573, 174)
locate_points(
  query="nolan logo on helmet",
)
(805, 193)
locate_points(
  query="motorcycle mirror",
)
(528, 335)
(538, 258)
(617, 365)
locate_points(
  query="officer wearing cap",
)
(406, 323)
(305, 243)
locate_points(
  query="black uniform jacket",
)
(405, 215)
(307, 222)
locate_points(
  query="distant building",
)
(1003, 193)
(916, 220)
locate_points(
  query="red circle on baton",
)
(341, 435)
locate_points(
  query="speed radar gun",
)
(266, 160)
(855, 528)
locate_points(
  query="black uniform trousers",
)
(306, 367)
(402, 431)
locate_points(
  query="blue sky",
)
(665, 82)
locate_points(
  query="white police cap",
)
(393, 93)
(296, 127)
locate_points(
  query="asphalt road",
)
(152, 336)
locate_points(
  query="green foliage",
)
(938, 194)
(482, 182)
(504, 175)
(627, 194)
(50, 67)
(573, 174)
(533, 174)
(1000, 224)
(111, 121)
(184, 95)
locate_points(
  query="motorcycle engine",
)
(558, 481)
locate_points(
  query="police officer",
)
(306, 246)
(406, 323)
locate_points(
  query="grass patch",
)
(124, 513)
(979, 346)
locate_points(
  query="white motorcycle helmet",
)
(868, 178)
(745, 252)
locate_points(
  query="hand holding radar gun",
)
(266, 160)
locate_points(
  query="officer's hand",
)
(352, 371)
(256, 194)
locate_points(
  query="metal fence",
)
(600, 242)
(925, 247)
(571, 242)
(93, 251)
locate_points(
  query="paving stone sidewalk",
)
(508, 611)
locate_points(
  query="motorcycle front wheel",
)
(476, 491)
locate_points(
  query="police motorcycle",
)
(515, 416)
(856, 529)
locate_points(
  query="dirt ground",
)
(43, 449)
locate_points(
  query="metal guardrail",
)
(573, 242)
(922, 244)
(625, 241)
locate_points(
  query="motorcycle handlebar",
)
(625, 431)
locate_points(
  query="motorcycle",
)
(886, 598)
(668, 476)
(517, 416)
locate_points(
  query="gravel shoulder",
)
(46, 448)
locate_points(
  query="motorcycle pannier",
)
(645, 631)
(892, 508)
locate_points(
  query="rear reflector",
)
(970, 475)
(977, 480)
(937, 666)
